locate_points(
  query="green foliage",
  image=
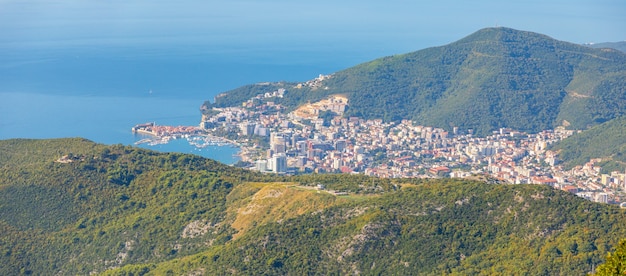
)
(83, 216)
(603, 141)
(449, 227)
(496, 77)
(177, 215)
(615, 262)
(244, 93)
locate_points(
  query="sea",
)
(95, 69)
(99, 93)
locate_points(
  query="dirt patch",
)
(335, 103)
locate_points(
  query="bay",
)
(99, 94)
(105, 120)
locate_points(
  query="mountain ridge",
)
(495, 77)
(135, 211)
(620, 45)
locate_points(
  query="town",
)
(316, 138)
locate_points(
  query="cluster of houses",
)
(295, 144)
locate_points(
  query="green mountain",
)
(495, 77)
(73, 207)
(606, 141)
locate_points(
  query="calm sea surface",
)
(100, 94)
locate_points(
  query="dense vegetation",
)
(615, 262)
(606, 141)
(496, 77)
(111, 205)
(127, 211)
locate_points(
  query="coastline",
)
(198, 139)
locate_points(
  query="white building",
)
(280, 163)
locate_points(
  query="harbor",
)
(151, 134)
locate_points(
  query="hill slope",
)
(450, 227)
(104, 206)
(606, 141)
(122, 210)
(496, 77)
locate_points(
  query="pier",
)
(163, 134)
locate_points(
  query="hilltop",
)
(70, 206)
(495, 77)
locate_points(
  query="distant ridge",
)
(621, 46)
(495, 77)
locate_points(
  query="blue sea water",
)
(99, 94)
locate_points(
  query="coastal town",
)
(317, 138)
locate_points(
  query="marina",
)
(154, 135)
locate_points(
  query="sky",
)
(391, 26)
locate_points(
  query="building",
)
(280, 163)
(247, 129)
(440, 171)
(340, 145)
(570, 188)
(261, 165)
(602, 198)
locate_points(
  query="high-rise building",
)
(301, 146)
(261, 131)
(280, 163)
(247, 128)
(340, 145)
(277, 144)
(337, 163)
(301, 161)
(261, 165)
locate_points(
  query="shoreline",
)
(198, 139)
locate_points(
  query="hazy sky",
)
(391, 25)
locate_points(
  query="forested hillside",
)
(496, 77)
(606, 141)
(72, 207)
(103, 206)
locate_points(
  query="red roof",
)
(439, 169)
(345, 169)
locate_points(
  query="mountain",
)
(606, 141)
(70, 206)
(621, 46)
(495, 77)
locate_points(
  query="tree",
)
(615, 262)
